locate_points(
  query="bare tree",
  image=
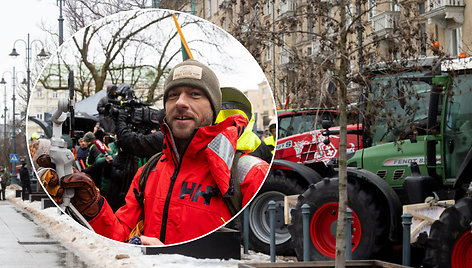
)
(325, 48)
(82, 13)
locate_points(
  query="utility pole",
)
(13, 127)
(61, 23)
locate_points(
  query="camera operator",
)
(135, 143)
(137, 126)
(106, 122)
(132, 122)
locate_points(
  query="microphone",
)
(101, 146)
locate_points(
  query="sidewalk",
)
(23, 243)
(26, 243)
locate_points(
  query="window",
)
(408, 102)
(39, 115)
(283, 85)
(311, 25)
(458, 130)
(223, 22)
(394, 6)
(265, 90)
(268, 52)
(423, 38)
(454, 41)
(421, 8)
(308, 121)
(371, 6)
(214, 8)
(265, 102)
(268, 7)
(54, 94)
(208, 9)
(39, 93)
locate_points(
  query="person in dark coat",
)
(106, 122)
(92, 168)
(82, 153)
(138, 144)
(25, 180)
(4, 180)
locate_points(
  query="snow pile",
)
(97, 251)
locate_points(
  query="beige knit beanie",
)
(195, 74)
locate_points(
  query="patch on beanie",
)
(188, 71)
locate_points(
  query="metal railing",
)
(287, 7)
(436, 4)
(385, 21)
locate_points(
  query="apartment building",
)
(292, 50)
(263, 105)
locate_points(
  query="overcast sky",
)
(18, 18)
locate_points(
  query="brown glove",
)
(50, 181)
(45, 161)
(86, 194)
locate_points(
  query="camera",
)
(140, 116)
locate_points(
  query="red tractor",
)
(302, 152)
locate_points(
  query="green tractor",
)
(403, 163)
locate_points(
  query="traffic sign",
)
(13, 158)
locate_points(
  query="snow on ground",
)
(97, 251)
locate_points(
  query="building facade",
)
(284, 35)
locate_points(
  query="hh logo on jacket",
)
(195, 191)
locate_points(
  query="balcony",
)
(445, 13)
(318, 51)
(384, 23)
(314, 49)
(284, 59)
(287, 8)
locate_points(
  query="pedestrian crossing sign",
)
(13, 158)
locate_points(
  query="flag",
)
(186, 54)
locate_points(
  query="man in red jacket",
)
(184, 193)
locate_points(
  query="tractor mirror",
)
(326, 123)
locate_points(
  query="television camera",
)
(140, 116)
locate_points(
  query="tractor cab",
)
(422, 117)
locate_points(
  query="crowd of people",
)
(203, 164)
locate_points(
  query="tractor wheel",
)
(276, 187)
(369, 228)
(450, 239)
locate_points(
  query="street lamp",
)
(13, 128)
(61, 23)
(4, 83)
(42, 54)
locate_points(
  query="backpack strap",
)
(150, 164)
(235, 201)
(139, 195)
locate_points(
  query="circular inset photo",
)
(144, 127)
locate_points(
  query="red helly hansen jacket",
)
(183, 195)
